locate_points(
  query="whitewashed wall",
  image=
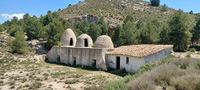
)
(132, 67)
(134, 62)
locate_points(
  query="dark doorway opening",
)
(118, 63)
(74, 61)
(86, 43)
(71, 42)
(58, 59)
(94, 62)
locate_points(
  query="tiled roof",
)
(138, 50)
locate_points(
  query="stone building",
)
(102, 54)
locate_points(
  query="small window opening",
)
(94, 62)
(58, 59)
(127, 60)
(71, 42)
(74, 60)
(86, 43)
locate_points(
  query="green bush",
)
(18, 45)
(188, 55)
(192, 50)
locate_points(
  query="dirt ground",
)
(22, 72)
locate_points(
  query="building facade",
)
(102, 54)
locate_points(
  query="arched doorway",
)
(71, 42)
(86, 42)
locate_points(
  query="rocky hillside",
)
(115, 11)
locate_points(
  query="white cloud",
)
(7, 16)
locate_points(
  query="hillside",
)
(115, 11)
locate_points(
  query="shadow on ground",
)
(121, 73)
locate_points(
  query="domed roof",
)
(68, 38)
(84, 40)
(103, 42)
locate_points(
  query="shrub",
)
(186, 82)
(19, 44)
(188, 55)
(192, 49)
(158, 76)
(195, 47)
(182, 63)
(71, 81)
(35, 85)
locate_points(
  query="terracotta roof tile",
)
(138, 50)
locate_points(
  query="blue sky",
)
(10, 8)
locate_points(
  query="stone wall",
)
(80, 56)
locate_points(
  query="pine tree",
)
(179, 31)
(103, 25)
(32, 27)
(128, 35)
(155, 2)
(149, 34)
(94, 31)
(196, 32)
(128, 18)
(54, 33)
(83, 26)
(116, 35)
(164, 35)
(191, 12)
(19, 44)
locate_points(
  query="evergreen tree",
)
(128, 35)
(164, 35)
(14, 20)
(94, 31)
(54, 33)
(196, 32)
(32, 27)
(128, 18)
(149, 34)
(45, 20)
(155, 2)
(179, 31)
(83, 26)
(191, 12)
(103, 25)
(140, 25)
(19, 44)
(14, 28)
(116, 35)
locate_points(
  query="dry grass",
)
(26, 75)
(179, 74)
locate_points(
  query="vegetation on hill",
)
(133, 30)
(115, 11)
